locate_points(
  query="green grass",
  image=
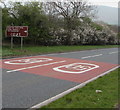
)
(87, 97)
(34, 50)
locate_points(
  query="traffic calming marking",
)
(83, 69)
(27, 61)
(76, 68)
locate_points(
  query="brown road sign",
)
(17, 31)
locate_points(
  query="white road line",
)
(69, 90)
(91, 56)
(35, 66)
(113, 52)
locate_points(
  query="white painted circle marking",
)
(76, 68)
(27, 61)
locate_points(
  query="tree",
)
(73, 13)
(32, 15)
(6, 19)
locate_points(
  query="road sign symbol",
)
(76, 68)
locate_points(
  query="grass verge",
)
(35, 50)
(87, 97)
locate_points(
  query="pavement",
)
(28, 81)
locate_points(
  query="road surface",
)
(26, 83)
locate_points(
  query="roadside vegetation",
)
(87, 97)
(55, 27)
(37, 50)
(57, 23)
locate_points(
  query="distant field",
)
(87, 97)
(35, 50)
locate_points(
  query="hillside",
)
(107, 14)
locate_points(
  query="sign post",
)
(17, 31)
(21, 42)
(11, 42)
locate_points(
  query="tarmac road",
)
(23, 90)
(101, 55)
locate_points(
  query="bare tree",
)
(73, 13)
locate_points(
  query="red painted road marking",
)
(89, 69)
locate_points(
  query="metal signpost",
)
(11, 42)
(17, 31)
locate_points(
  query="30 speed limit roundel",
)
(28, 61)
(76, 68)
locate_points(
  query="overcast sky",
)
(111, 3)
